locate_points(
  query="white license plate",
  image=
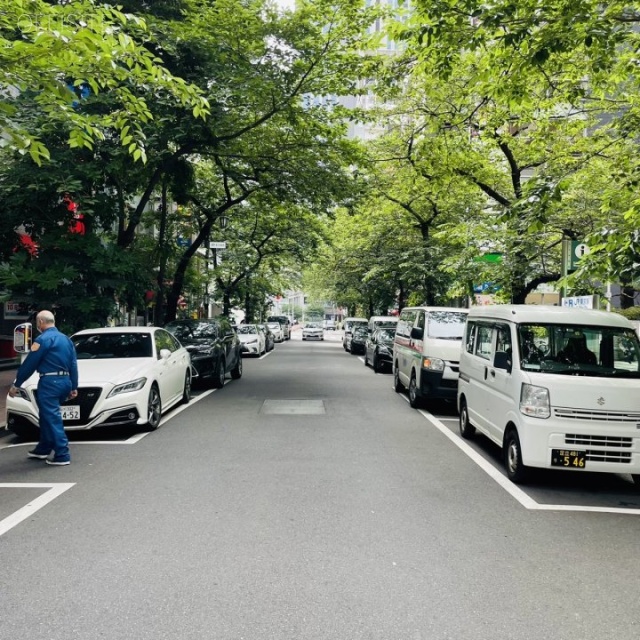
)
(70, 412)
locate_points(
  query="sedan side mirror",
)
(165, 354)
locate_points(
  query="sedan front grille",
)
(86, 399)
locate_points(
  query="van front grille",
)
(600, 416)
(598, 441)
(609, 456)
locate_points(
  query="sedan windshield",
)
(113, 345)
(579, 350)
(246, 329)
(386, 335)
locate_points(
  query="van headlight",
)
(433, 364)
(127, 387)
(534, 401)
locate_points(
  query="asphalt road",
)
(308, 501)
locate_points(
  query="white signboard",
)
(217, 245)
(15, 310)
(580, 302)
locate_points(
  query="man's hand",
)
(73, 394)
(13, 391)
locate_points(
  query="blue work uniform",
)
(55, 361)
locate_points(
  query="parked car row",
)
(554, 387)
(131, 376)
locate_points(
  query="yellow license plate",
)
(568, 458)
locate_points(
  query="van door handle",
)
(486, 369)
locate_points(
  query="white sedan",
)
(276, 329)
(127, 376)
(253, 339)
(313, 331)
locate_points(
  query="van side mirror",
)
(502, 360)
(417, 333)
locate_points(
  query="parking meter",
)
(22, 339)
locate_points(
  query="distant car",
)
(358, 339)
(330, 325)
(270, 340)
(312, 331)
(378, 348)
(252, 339)
(284, 322)
(128, 376)
(276, 329)
(214, 347)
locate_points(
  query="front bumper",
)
(434, 384)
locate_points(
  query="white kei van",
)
(555, 387)
(426, 351)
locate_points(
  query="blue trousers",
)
(52, 390)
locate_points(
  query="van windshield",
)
(446, 325)
(579, 350)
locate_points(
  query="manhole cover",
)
(294, 407)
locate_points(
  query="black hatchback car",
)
(214, 347)
(358, 339)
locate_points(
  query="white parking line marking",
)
(55, 489)
(513, 490)
(136, 437)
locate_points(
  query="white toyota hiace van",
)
(555, 387)
(426, 351)
(382, 321)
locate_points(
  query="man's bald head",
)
(45, 319)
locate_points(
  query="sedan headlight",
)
(433, 364)
(534, 401)
(128, 387)
(383, 348)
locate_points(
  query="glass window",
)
(574, 349)
(97, 346)
(405, 323)
(447, 325)
(483, 346)
(164, 340)
(503, 339)
(471, 337)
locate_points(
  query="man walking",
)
(53, 356)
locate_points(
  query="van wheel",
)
(236, 372)
(636, 481)
(397, 385)
(376, 362)
(516, 471)
(414, 395)
(366, 362)
(467, 430)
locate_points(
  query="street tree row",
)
(201, 110)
